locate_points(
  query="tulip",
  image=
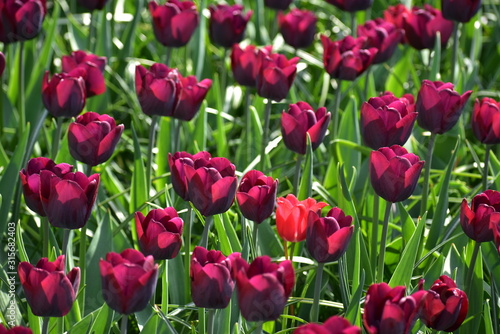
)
(439, 107)
(460, 10)
(93, 4)
(92, 138)
(256, 196)
(382, 35)
(351, 5)
(30, 180)
(276, 75)
(211, 281)
(64, 95)
(292, 216)
(485, 121)
(191, 95)
(15, 330)
(388, 311)
(300, 120)
(128, 280)
(298, 27)
(177, 161)
(421, 26)
(277, 4)
(387, 120)
(484, 212)
(333, 325)
(174, 22)
(245, 63)
(49, 291)
(263, 287)
(90, 67)
(394, 172)
(21, 20)
(2, 63)
(68, 200)
(444, 307)
(159, 233)
(396, 15)
(347, 58)
(227, 24)
(157, 89)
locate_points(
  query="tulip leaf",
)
(163, 144)
(201, 129)
(436, 59)
(398, 76)
(138, 189)
(269, 243)
(225, 245)
(103, 319)
(305, 188)
(474, 292)
(222, 320)
(407, 224)
(349, 130)
(353, 310)
(176, 283)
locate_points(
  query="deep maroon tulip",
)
(49, 291)
(128, 280)
(68, 200)
(245, 63)
(328, 237)
(298, 27)
(351, 5)
(460, 10)
(64, 95)
(30, 180)
(485, 210)
(21, 20)
(388, 311)
(444, 307)
(2, 63)
(382, 35)
(227, 24)
(256, 196)
(277, 4)
(93, 4)
(300, 120)
(333, 325)
(396, 14)
(422, 24)
(157, 89)
(174, 22)
(93, 69)
(15, 330)
(438, 106)
(276, 75)
(212, 283)
(347, 58)
(92, 138)
(159, 233)
(177, 161)
(394, 172)
(486, 121)
(263, 287)
(387, 120)
(191, 95)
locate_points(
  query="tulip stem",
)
(83, 253)
(164, 295)
(168, 55)
(258, 327)
(56, 138)
(45, 237)
(344, 291)
(285, 248)
(255, 235)
(124, 324)
(375, 223)
(265, 135)
(486, 167)
(65, 245)
(201, 320)
(45, 325)
(211, 318)
(206, 230)
(92, 32)
(151, 145)
(248, 128)
(383, 241)
(353, 24)
(20, 99)
(336, 112)
(454, 54)
(470, 272)
(427, 175)
(187, 247)
(317, 292)
(296, 178)
(494, 306)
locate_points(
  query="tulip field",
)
(249, 166)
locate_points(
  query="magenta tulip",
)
(177, 161)
(90, 67)
(298, 27)
(382, 35)
(277, 4)
(333, 325)
(477, 221)
(396, 15)
(227, 24)
(351, 5)
(256, 196)
(21, 20)
(15, 330)
(460, 10)
(245, 63)
(276, 75)
(485, 121)
(191, 95)
(421, 26)
(64, 95)
(93, 4)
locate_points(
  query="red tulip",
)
(485, 121)
(15, 330)
(245, 63)
(256, 196)
(460, 10)
(477, 221)
(333, 325)
(396, 14)
(227, 24)
(421, 26)
(93, 4)
(191, 95)
(277, 4)
(276, 75)
(64, 95)
(351, 5)
(2, 63)
(90, 67)
(382, 35)
(177, 161)
(21, 20)
(298, 27)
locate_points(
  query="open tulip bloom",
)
(245, 63)
(256, 196)
(479, 220)
(421, 26)
(90, 67)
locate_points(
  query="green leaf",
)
(353, 310)
(138, 189)
(399, 73)
(436, 59)
(201, 129)
(305, 188)
(349, 130)
(474, 292)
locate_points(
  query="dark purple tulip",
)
(2, 63)
(49, 291)
(263, 287)
(174, 22)
(351, 5)
(382, 35)
(347, 58)
(422, 24)
(30, 180)
(93, 4)
(159, 233)
(64, 95)
(227, 24)
(300, 120)
(212, 283)
(387, 120)
(333, 325)
(15, 330)
(256, 196)
(277, 4)
(177, 161)
(276, 75)
(444, 307)
(92, 138)
(477, 220)
(90, 67)
(191, 95)
(245, 63)
(298, 27)
(460, 10)
(394, 172)
(396, 14)
(128, 280)
(21, 20)
(486, 121)
(68, 200)
(438, 106)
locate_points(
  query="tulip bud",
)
(128, 280)
(276, 75)
(351, 5)
(227, 24)
(421, 26)
(460, 10)
(486, 121)
(90, 67)
(159, 233)
(15, 330)
(382, 35)
(277, 4)
(298, 27)
(93, 4)
(2, 63)
(64, 95)
(191, 95)
(177, 161)
(245, 63)
(256, 196)
(21, 20)
(49, 291)
(333, 325)
(477, 220)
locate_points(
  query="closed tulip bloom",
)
(49, 291)
(292, 216)
(422, 24)
(212, 283)
(351, 5)
(245, 63)
(277, 4)
(263, 287)
(159, 233)
(93, 4)
(382, 35)
(128, 280)
(347, 58)
(395, 15)
(394, 172)
(485, 121)
(227, 24)
(276, 75)
(387, 120)
(30, 180)
(2, 63)
(64, 95)
(444, 307)
(191, 95)
(256, 196)
(15, 330)
(90, 67)
(438, 106)
(484, 211)
(460, 10)
(177, 161)
(68, 200)
(21, 20)
(298, 27)
(333, 325)
(174, 22)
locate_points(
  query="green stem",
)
(317, 292)
(258, 327)
(454, 54)
(427, 175)
(486, 167)
(164, 294)
(494, 305)
(187, 247)
(124, 324)
(65, 245)
(223, 79)
(375, 223)
(470, 272)
(265, 135)
(211, 318)
(201, 320)
(151, 145)
(92, 32)
(285, 248)
(248, 127)
(296, 177)
(292, 251)
(336, 109)
(56, 139)
(168, 55)
(255, 235)
(45, 237)
(206, 230)
(21, 100)
(83, 253)
(45, 325)
(353, 24)
(344, 291)
(383, 241)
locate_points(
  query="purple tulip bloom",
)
(64, 95)
(351, 5)
(90, 67)
(382, 35)
(256, 196)
(227, 24)
(245, 63)
(21, 20)
(177, 161)
(460, 10)
(479, 220)
(276, 75)
(422, 24)
(298, 27)
(191, 95)
(485, 121)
